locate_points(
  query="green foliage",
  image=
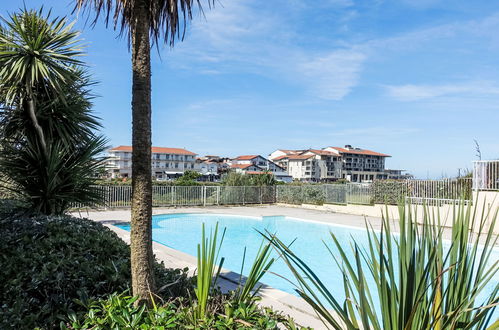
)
(50, 148)
(305, 193)
(208, 270)
(390, 192)
(247, 292)
(47, 262)
(420, 282)
(119, 312)
(240, 179)
(36, 51)
(189, 178)
(211, 309)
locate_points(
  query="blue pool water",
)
(183, 232)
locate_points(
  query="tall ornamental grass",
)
(421, 280)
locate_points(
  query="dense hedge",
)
(388, 192)
(48, 262)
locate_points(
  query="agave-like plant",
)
(421, 281)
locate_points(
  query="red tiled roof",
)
(246, 157)
(322, 152)
(242, 166)
(359, 152)
(258, 172)
(299, 157)
(158, 150)
(281, 157)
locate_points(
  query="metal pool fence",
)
(121, 196)
(486, 174)
(350, 193)
(432, 192)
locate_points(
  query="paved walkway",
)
(279, 300)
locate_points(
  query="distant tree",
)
(189, 178)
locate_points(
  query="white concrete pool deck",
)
(279, 300)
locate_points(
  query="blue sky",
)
(417, 79)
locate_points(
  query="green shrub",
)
(388, 191)
(47, 262)
(118, 312)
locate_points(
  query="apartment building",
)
(166, 163)
(332, 163)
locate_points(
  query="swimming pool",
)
(183, 232)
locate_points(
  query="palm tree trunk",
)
(141, 232)
(32, 115)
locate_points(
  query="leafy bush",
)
(388, 191)
(298, 194)
(241, 179)
(49, 261)
(209, 310)
(119, 312)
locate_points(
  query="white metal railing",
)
(431, 192)
(439, 189)
(436, 201)
(486, 175)
(121, 196)
(353, 193)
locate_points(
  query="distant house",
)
(240, 168)
(257, 163)
(208, 169)
(166, 163)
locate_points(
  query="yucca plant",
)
(421, 281)
(37, 55)
(51, 149)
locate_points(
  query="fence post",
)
(261, 194)
(276, 194)
(218, 195)
(244, 193)
(204, 195)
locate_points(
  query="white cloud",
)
(420, 92)
(334, 75)
(240, 38)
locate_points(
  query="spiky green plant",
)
(37, 55)
(208, 271)
(263, 261)
(421, 282)
(50, 145)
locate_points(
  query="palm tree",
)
(47, 131)
(36, 54)
(140, 21)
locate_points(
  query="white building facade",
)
(332, 163)
(166, 163)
